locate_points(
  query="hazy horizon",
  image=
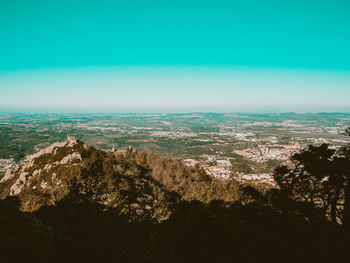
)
(188, 56)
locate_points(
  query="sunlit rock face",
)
(72, 168)
(137, 184)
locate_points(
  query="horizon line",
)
(172, 112)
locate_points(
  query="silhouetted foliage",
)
(23, 237)
(84, 231)
(347, 131)
(319, 177)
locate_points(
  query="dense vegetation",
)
(244, 231)
(304, 219)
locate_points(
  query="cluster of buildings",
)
(173, 134)
(221, 168)
(218, 171)
(241, 136)
(263, 153)
(256, 178)
(213, 166)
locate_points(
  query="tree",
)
(347, 131)
(343, 169)
(320, 176)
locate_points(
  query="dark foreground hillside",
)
(74, 203)
(86, 232)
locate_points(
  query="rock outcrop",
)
(138, 184)
(72, 168)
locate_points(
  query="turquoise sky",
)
(175, 55)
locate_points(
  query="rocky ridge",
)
(74, 169)
(138, 184)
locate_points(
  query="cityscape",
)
(242, 147)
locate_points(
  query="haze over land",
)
(175, 89)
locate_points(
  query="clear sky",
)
(221, 55)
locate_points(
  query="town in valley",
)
(241, 146)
